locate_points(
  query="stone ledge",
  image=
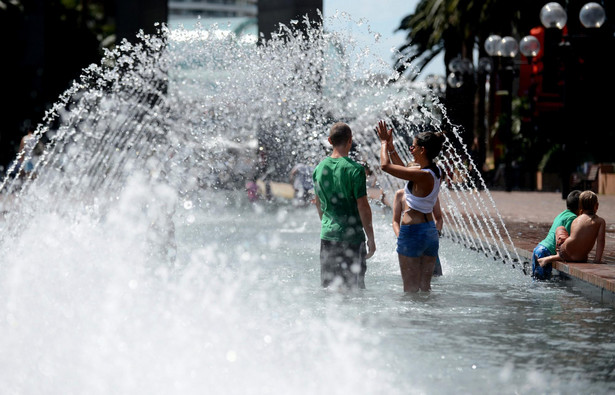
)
(600, 275)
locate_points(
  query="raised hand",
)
(383, 133)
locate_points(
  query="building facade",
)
(214, 8)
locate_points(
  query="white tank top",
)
(423, 204)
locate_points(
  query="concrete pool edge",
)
(594, 280)
(597, 281)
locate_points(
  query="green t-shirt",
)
(338, 183)
(564, 219)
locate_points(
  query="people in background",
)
(301, 179)
(30, 148)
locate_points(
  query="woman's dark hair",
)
(432, 141)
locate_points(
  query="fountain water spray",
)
(188, 111)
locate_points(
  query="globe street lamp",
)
(503, 51)
(578, 53)
(572, 57)
(592, 15)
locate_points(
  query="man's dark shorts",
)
(541, 273)
(342, 264)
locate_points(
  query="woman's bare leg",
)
(410, 272)
(427, 265)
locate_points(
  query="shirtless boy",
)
(586, 230)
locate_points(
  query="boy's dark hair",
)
(572, 201)
(587, 202)
(339, 134)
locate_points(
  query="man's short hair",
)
(587, 202)
(340, 134)
(572, 201)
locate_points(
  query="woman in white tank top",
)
(418, 242)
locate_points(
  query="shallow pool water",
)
(240, 311)
(485, 326)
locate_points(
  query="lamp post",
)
(503, 51)
(573, 62)
(575, 45)
(459, 101)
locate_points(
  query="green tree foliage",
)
(456, 27)
(459, 28)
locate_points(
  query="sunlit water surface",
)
(241, 312)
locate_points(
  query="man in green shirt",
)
(345, 214)
(547, 247)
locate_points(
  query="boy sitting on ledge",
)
(586, 230)
(549, 245)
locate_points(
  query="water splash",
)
(188, 110)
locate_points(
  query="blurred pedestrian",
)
(301, 179)
(30, 149)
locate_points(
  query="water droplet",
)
(231, 356)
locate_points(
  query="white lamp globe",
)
(485, 65)
(508, 47)
(455, 80)
(455, 65)
(553, 15)
(529, 46)
(592, 15)
(491, 44)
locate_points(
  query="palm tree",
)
(458, 28)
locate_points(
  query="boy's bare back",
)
(584, 232)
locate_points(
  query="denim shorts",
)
(418, 240)
(541, 273)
